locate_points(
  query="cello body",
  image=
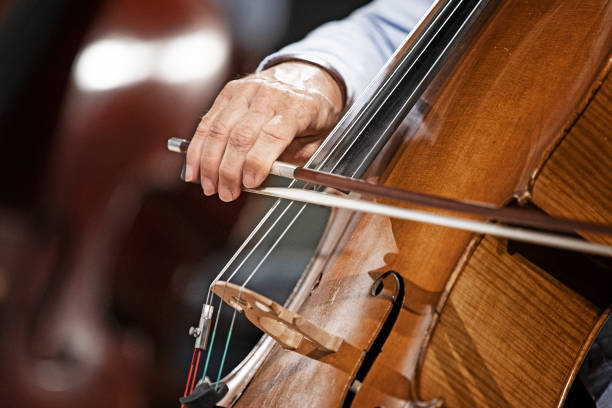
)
(523, 115)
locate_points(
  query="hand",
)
(255, 119)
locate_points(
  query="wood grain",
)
(489, 121)
(342, 305)
(508, 335)
(576, 181)
(520, 85)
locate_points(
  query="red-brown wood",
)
(490, 122)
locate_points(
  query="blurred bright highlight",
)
(122, 61)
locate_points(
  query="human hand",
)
(255, 119)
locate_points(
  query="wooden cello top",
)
(486, 125)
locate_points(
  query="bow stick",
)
(523, 217)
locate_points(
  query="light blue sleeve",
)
(358, 46)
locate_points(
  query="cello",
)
(503, 103)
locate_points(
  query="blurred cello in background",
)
(91, 93)
(392, 313)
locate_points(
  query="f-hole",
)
(374, 351)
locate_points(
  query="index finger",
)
(194, 152)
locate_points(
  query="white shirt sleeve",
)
(358, 46)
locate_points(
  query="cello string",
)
(274, 245)
(320, 165)
(257, 228)
(333, 148)
(422, 80)
(386, 98)
(235, 271)
(229, 336)
(190, 374)
(277, 241)
(195, 372)
(258, 244)
(242, 246)
(212, 341)
(356, 110)
(227, 265)
(379, 91)
(265, 257)
(249, 239)
(253, 272)
(358, 115)
(209, 296)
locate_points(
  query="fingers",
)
(241, 140)
(253, 121)
(194, 152)
(301, 149)
(215, 142)
(209, 142)
(273, 138)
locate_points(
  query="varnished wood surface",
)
(508, 335)
(487, 125)
(511, 96)
(290, 330)
(288, 379)
(576, 181)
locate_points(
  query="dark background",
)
(104, 253)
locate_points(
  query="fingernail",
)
(225, 194)
(249, 179)
(188, 173)
(209, 189)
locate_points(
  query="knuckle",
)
(200, 130)
(227, 93)
(263, 105)
(241, 138)
(230, 87)
(218, 130)
(234, 87)
(274, 136)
